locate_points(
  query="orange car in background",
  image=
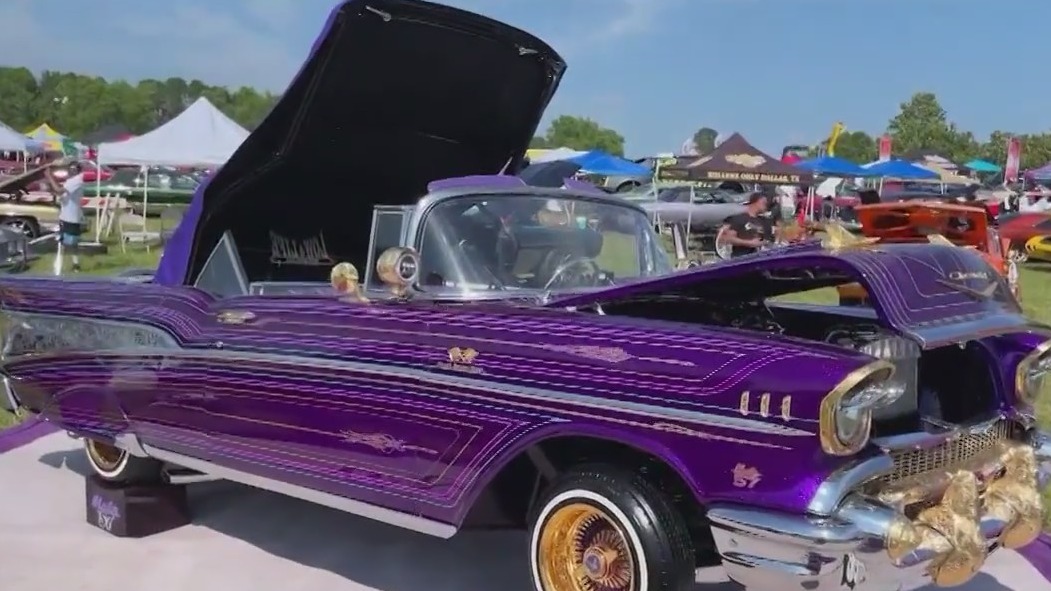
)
(936, 222)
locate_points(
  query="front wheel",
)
(601, 528)
(113, 464)
(24, 226)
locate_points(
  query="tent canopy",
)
(949, 177)
(982, 166)
(199, 136)
(896, 168)
(45, 134)
(832, 166)
(735, 160)
(601, 163)
(12, 141)
(1039, 174)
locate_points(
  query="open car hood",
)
(914, 222)
(395, 94)
(934, 294)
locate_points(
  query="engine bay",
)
(945, 387)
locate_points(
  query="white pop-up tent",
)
(12, 141)
(199, 136)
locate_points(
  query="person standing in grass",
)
(71, 215)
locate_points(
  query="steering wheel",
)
(562, 269)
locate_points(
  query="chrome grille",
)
(947, 455)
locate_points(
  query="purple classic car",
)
(529, 352)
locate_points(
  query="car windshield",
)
(528, 242)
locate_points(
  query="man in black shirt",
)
(747, 231)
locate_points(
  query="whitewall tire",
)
(602, 528)
(116, 465)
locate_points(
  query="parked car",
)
(163, 187)
(916, 222)
(532, 347)
(625, 184)
(1038, 248)
(1019, 228)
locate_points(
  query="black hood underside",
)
(396, 94)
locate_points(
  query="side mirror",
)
(399, 269)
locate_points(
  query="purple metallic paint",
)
(905, 282)
(285, 421)
(362, 400)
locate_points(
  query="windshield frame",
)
(426, 207)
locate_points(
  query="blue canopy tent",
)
(832, 166)
(601, 163)
(555, 172)
(982, 166)
(899, 169)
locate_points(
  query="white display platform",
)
(243, 538)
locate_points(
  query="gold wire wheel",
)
(105, 456)
(582, 549)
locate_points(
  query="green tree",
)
(704, 140)
(77, 104)
(581, 133)
(922, 124)
(857, 146)
(18, 92)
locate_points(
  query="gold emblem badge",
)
(461, 359)
(746, 476)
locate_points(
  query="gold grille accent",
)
(946, 456)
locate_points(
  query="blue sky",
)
(778, 71)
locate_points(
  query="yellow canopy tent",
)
(47, 135)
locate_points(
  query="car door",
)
(319, 391)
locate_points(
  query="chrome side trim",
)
(389, 516)
(163, 344)
(526, 392)
(840, 483)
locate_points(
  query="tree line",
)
(78, 104)
(921, 124)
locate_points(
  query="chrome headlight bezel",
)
(1031, 374)
(845, 423)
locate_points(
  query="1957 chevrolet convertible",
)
(533, 350)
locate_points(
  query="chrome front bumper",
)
(865, 545)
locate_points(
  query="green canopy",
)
(982, 166)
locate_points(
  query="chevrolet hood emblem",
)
(985, 293)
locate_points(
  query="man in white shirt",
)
(71, 215)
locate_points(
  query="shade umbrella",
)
(549, 174)
(896, 168)
(832, 166)
(982, 166)
(601, 163)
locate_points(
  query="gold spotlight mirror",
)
(344, 279)
(398, 268)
